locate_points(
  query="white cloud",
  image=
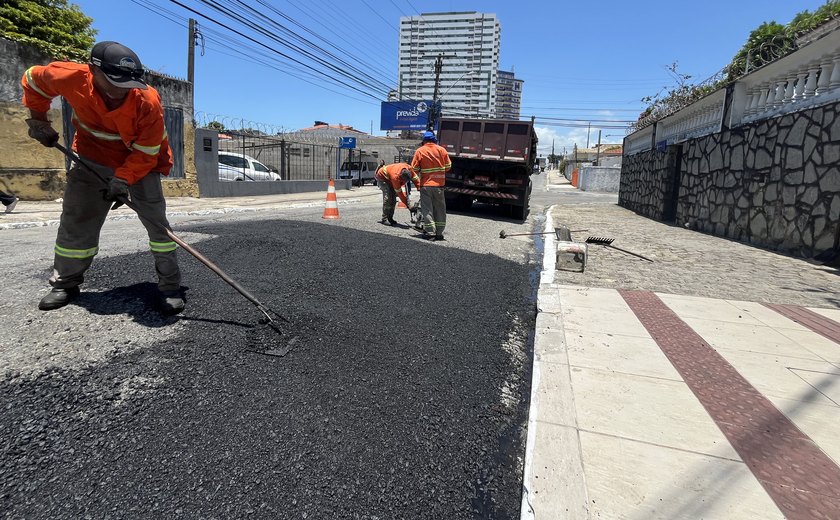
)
(568, 137)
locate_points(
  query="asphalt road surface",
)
(405, 394)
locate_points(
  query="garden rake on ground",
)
(607, 242)
(264, 309)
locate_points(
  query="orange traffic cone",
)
(331, 209)
(400, 203)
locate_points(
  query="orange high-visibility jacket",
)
(390, 174)
(130, 139)
(432, 162)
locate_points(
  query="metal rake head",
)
(599, 240)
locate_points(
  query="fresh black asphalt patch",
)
(389, 405)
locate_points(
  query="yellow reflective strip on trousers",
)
(148, 150)
(31, 83)
(76, 253)
(105, 136)
(162, 247)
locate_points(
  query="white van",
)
(360, 171)
(240, 167)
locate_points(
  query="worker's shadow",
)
(140, 301)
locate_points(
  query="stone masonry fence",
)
(757, 161)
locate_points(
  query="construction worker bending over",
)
(120, 133)
(432, 162)
(391, 179)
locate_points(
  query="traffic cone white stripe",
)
(331, 207)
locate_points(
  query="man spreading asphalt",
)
(431, 162)
(391, 179)
(119, 133)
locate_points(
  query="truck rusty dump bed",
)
(490, 139)
(492, 161)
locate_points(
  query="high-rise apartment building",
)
(508, 95)
(469, 45)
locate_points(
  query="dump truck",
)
(492, 162)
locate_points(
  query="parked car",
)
(240, 167)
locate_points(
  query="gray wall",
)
(773, 183)
(15, 58)
(209, 185)
(599, 178)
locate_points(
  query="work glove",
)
(42, 131)
(117, 191)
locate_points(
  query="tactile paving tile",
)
(818, 323)
(800, 478)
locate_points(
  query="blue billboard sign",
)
(347, 142)
(404, 115)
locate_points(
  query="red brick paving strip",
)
(802, 480)
(807, 318)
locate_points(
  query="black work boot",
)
(171, 302)
(58, 298)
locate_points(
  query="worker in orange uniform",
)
(431, 162)
(391, 179)
(119, 133)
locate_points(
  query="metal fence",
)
(294, 161)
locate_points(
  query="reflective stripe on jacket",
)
(130, 139)
(391, 174)
(432, 162)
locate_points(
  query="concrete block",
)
(571, 256)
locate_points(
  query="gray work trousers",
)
(83, 214)
(433, 209)
(389, 200)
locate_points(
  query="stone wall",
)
(646, 183)
(774, 183)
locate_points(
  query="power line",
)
(271, 49)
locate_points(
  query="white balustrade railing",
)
(639, 141)
(702, 117)
(808, 77)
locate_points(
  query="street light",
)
(459, 79)
(434, 113)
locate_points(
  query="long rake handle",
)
(628, 252)
(201, 258)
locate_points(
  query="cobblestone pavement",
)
(689, 262)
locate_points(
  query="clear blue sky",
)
(584, 61)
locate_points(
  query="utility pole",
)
(598, 149)
(191, 60)
(433, 112)
(588, 130)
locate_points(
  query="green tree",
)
(55, 27)
(670, 99)
(215, 125)
(769, 42)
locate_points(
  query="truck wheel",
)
(518, 212)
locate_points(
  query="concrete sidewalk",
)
(703, 385)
